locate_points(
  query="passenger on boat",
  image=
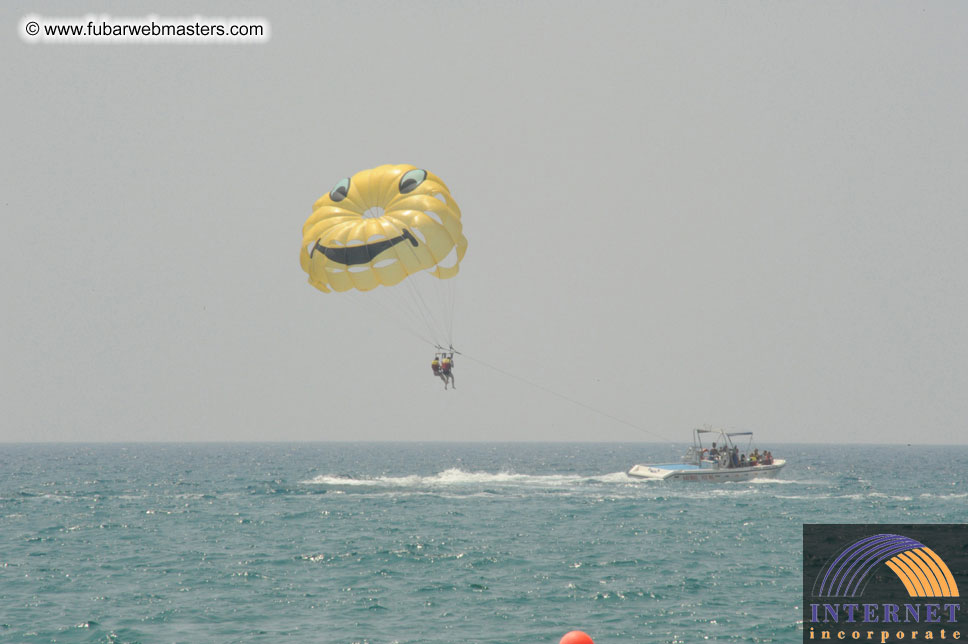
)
(742, 461)
(755, 458)
(713, 453)
(735, 457)
(767, 458)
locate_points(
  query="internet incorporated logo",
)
(907, 587)
(919, 568)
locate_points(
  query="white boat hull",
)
(705, 472)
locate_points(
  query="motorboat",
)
(719, 462)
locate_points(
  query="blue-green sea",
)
(428, 542)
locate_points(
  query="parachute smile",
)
(361, 254)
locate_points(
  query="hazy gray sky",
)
(746, 214)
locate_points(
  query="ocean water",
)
(407, 543)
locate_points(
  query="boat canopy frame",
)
(726, 437)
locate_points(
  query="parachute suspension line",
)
(453, 307)
(440, 292)
(435, 295)
(445, 294)
(428, 291)
(414, 283)
(448, 291)
(569, 399)
(407, 304)
(370, 303)
(426, 312)
(410, 306)
(396, 307)
(412, 300)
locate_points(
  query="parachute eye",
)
(411, 180)
(338, 193)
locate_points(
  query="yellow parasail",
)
(381, 226)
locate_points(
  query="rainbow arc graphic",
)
(922, 572)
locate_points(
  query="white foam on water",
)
(945, 497)
(454, 478)
(613, 477)
(865, 496)
(457, 477)
(776, 482)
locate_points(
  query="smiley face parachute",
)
(393, 226)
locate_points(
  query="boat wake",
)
(457, 477)
(781, 482)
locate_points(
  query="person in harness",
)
(438, 369)
(447, 370)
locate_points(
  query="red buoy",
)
(576, 637)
